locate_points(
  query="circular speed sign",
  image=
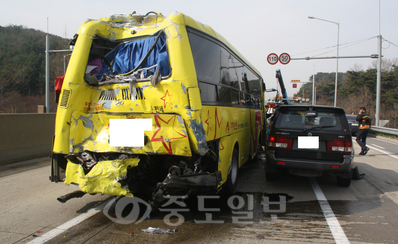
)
(272, 58)
(284, 58)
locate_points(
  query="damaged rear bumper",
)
(106, 177)
(124, 177)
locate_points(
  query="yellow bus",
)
(152, 106)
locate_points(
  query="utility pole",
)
(337, 57)
(47, 90)
(313, 87)
(378, 81)
(47, 73)
(337, 66)
(48, 51)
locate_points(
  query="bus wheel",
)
(233, 174)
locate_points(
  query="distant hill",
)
(22, 65)
(357, 89)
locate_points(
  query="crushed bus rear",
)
(129, 119)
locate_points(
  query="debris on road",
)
(153, 230)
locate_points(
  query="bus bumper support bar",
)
(71, 195)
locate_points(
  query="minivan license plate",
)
(308, 142)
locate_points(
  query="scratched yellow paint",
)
(90, 132)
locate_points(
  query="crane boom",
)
(282, 85)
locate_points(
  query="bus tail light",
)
(280, 142)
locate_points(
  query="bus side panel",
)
(223, 121)
(256, 126)
(184, 74)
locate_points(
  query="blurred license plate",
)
(308, 142)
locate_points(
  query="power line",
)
(335, 46)
(390, 42)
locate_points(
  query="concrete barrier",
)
(25, 136)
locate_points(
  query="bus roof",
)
(152, 22)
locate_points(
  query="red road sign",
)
(272, 58)
(284, 58)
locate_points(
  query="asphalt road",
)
(317, 210)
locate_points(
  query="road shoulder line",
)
(387, 153)
(67, 225)
(334, 225)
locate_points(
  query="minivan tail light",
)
(280, 142)
(339, 146)
(348, 146)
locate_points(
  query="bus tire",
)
(233, 174)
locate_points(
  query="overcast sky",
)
(254, 27)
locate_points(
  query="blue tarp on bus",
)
(126, 56)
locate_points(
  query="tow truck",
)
(278, 100)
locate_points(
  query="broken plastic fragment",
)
(152, 230)
(103, 177)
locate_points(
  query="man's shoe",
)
(366, 151)
(361, 153)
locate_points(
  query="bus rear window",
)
(134, 60)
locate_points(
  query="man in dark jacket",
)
(364, 123)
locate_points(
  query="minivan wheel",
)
(271, 176)
(345, 182)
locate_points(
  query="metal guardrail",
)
(385, 130)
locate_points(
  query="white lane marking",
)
(387, 153)
(64, 227)
(334, 225)
(378, 146)
(385, 141)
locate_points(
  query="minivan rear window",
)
(295, 119)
